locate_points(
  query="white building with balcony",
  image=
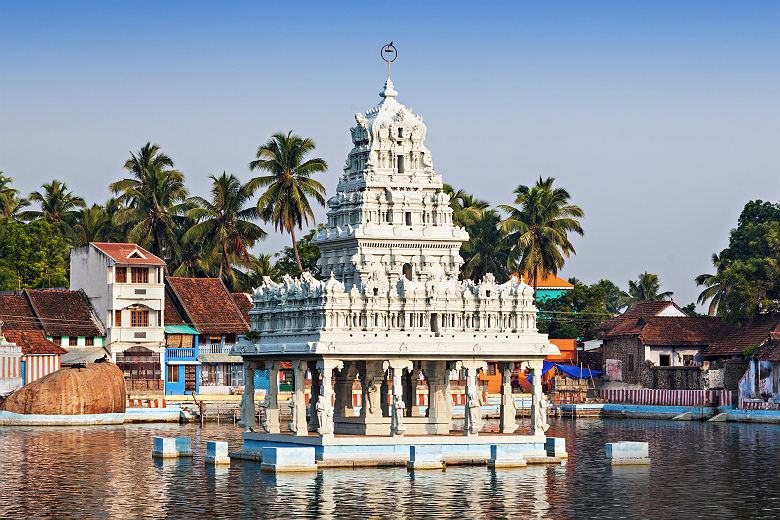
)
(125, 284)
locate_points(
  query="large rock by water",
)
(94, 388)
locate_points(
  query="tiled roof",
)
(172, 314)
(675, 330)
(64, 313)
(16, 313)
(546, 281)
(244, 302)
(750, 333)
(32, 342)
(124, 253)
(770, 351)
(208, 305)
(639, 310)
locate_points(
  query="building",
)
(390, 310)
(203, 322)
(548, 285)
(11, 377)
(124, 283)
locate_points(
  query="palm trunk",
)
(535, 275)
(222, 260)
(295, 248)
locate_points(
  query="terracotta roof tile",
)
(244, 303)
(208, 305)
(675, 330)
(639, 310)
(33, 342)
(770, 351)
(16, 313)
(121, 253)
(750, 333)
(546, 281)
(64, 313)
(172, 314)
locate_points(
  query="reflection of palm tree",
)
(58, 205)
(285, 202)
(714, 290)
(538, 229)
(224, 223)
(485, 252)
(646, 288)
(155, 196)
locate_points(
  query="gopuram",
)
(390, 311)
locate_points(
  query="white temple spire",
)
(389, 91)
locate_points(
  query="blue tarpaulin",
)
(569, 370)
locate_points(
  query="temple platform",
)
(377, 450)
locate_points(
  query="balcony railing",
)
(180, 353)
(215, 348)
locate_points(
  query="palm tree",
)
(10, 202)
(58, 205)
(260, 267)
(646, 288)
(538, 229)
(485, 251)
(465, 207)
(225, 223)
(91, 225)
(155, 197)
(714, 290)
(285, 202)
(614, 297)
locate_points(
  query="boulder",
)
(85, 389)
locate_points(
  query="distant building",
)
(10, 365)
(124, 283)
(202, 324)
(548, 285)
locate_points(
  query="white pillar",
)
(248, 419)
(324, 404)
(372, 378)
(344, 381)
(314, 396)
(473, 412)
(298, 404)
(437, 373)
(538, 402)
(397, 406)
(508, 422)
(271, 403)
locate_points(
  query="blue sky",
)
(661, 119)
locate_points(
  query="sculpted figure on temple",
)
(374, 386)
(398, 414)
(294, 423)
(541, 414)
(473, 410)
(324, 415)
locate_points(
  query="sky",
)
(662, 119)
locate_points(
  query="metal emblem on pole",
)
(389, 53)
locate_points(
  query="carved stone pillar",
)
(344, 381)
(397, 366)
(473, 411)
(298, 403)
(538, 401)
(440, 406)
(314, 396)
(324, 404)
(372, 380)
(384, 390)
(248, 418)
(507, 422)
(271, 403)
(410, 392)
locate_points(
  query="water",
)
(698, 470)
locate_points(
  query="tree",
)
(614, 297)
(225, 223)
(289, 259)
(58, 205)
(538, 229)
(32, 255)
(690, 310)
(485, 251)
(11, 204)
(747, 278)
(260, 267)
(465, 207)
(574, 314)
(285, 202)
(91, 225)
(155, 196)
(645, 288)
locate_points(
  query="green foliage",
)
(32, 255)
(690, 310)
(486, 250)
(538, 229)
(309, 254)
(747, 278)
(644, 289)
(614, 297)
(10, 203)
(574, 314)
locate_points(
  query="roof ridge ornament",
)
(389, 54)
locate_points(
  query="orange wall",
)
(568, 348)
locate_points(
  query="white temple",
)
(390, 310)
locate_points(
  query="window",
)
(407, 270)
(400, 132)
(215, 340)
(120, 274)
(230, 338)
(400, 164)
(117, 318)
(664, 360)
(408, 218)
(687, 359)
(72, 341)
(630, 362)
(89, 341)
(139, 318)
(140, 275)
(173, 373)
(57, 339)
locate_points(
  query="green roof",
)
(180, 329)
